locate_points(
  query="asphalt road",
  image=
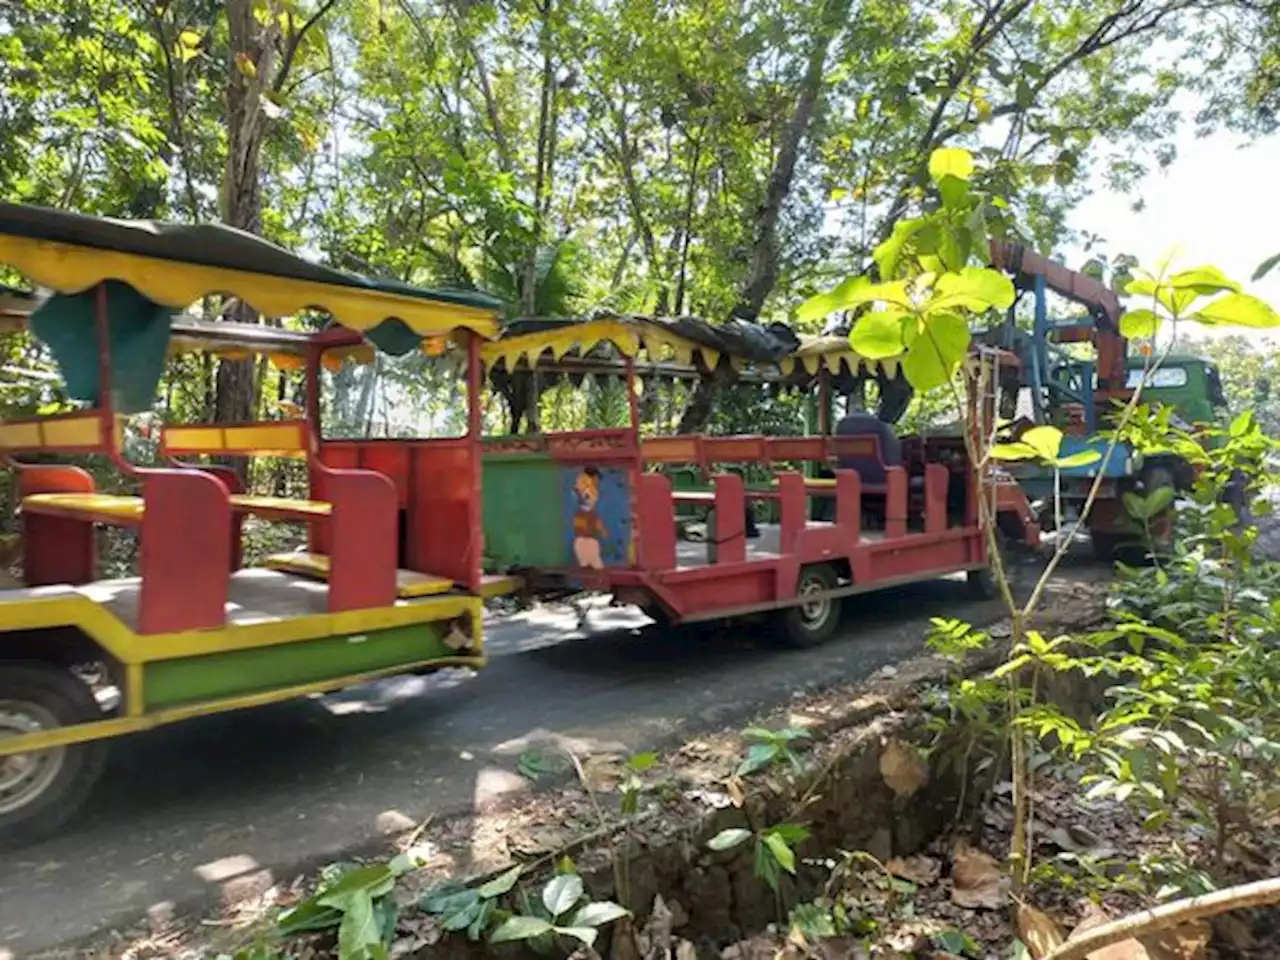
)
(289, 786)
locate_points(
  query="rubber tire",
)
(1108, 546)
(794, 631)
(71, 701)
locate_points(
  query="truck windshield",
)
(1162, 378)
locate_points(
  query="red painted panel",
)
(656, 522)
(737, 449)
(364, 532)
(895, 503)
(936, 479)
(792, 509)
(391, 459)
(750, 584)
(185, 552)
(783, 449)
(849, 505)
(443, 536)
(230, 479)
(342, 455)
(731, 519)
(56, 549)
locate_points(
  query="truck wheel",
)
(814, 618)
(41, 791)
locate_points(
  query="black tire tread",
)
(71, 701)
(791, 627)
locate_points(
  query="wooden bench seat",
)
(123, 510)
(280, 508)
(409, 583)
(499, 584)
(96, 507)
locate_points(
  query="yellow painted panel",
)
(89, 504)
(265, 439)
(409, 583)
(62, 607)
(312, 508)
(20, 436)
(83, 431)
(192, 439)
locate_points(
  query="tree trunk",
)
(764, 252)
(252, 59)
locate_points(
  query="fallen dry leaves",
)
(976, 880)
(1038, 931)
(920, 870)
(903, 768)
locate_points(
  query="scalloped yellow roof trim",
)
(585, 336)
(71, 269)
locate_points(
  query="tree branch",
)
(291, 50)
(1258, 894)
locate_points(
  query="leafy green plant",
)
(774, 849)
(469, 909)
(562, 912)
(771, 748)
(358, 901)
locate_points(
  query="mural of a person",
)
(588, 528)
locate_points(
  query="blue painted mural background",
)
(597, 507)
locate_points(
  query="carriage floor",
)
(254, 596)
(767, 546)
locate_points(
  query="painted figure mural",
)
(588, 529)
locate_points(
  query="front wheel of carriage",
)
(816, 614)
(40, 791)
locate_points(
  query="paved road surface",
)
(300, 783)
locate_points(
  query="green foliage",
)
(769, 748)
(561, 913)
(358, 901)
(773, 849)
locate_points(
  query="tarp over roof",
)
(773, 351)
(174, 265)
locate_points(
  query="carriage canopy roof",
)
(148, 269)
(173, 265)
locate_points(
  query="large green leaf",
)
(889, 252)
(878, 335)
(783, 854)
(359, 932)
(1013, 451)
(973, 288)
(950, 162)
(598, 914)
(1238, 309)
(561, 893)
(1203, 280)
(373, 881)
(520, 928)
(822, 304)
(1139, 323)
(500, 884)
(937, 352)
(728, 839)
(1045, 441)
(585, 935)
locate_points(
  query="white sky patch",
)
(1219, 203)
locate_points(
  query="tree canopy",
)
(721, 158)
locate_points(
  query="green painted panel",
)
(524, 518)
(170, 683)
